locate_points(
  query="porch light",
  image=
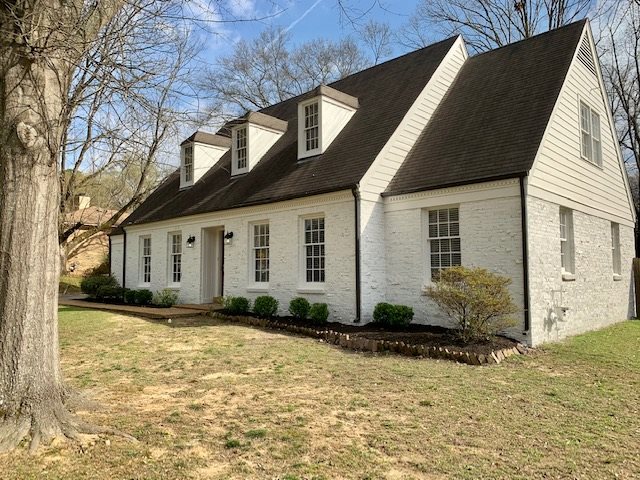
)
(227, 238)
(191, 241)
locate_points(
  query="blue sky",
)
(304, 19)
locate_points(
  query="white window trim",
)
(253, 285)
(170, 254)
(568, 270)
(302, 150)
(303, 285)
(186, 166)
(592, 111)
(616, 251)
(141, 281)
(234, 150)
(427, 244)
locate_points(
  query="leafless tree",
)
(126, 101)
(378, 38)
(619, 50)
(44, 49)
(487, 24)
(269, 70)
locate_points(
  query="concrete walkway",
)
(178, 311)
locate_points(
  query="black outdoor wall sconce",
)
(191, 241)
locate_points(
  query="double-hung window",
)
(175, 257)
(188, 163)
(444, 239)
(615, 248)
(311, 128)
(566, 241)
(241, 148)
(261, 252)
(314, 253)
(145, 260)
(590, 134)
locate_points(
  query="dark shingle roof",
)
(491, 122)
(384, 92)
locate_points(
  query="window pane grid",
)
(590, 134)
(444, 239)
(176, 257)
(566, 240)
(261, 252)
(615, 248)
(314, 249)
(311, 129)
(146, 260)
(241, 148)
(188, 163)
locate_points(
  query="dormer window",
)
(199, 153)
(188, 164)
(252, 135)
(321, 118)
(241, 148)
(311, 128)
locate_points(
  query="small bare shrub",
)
(477, 300)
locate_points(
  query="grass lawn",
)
(70, 284)
(226, 401)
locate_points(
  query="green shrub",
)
(319, 313)
(165, 298)
(91, 284)
(237, 305)
(478, 301)
(130, 296)
(144, 296)
(299, 307)
(389, 315)
(109, 293)
(265, 306)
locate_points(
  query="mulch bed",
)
(412, 340)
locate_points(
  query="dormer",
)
(321, 118)
(251, 137)
(198, 154)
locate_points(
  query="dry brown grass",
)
(225, 401)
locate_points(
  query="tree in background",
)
(487, 24)
(127, 101)
(268, 70)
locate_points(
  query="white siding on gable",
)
(560, 173)
(388, 162)
(383, 169)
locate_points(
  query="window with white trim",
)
(615, 248)
(241, 148)
(175, 257)
(566, 241)
(444, 239)
(261, 253)
(145, 260)
(311, 129)
(590, 138)
(188, 163)
(314, 253)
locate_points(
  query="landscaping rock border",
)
(358, 343)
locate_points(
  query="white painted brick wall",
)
(372, 259)
(285, 252)
(594, 299)
(117, 251)
(490, 238)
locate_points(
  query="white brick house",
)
(355, 193)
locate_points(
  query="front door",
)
(212, 263)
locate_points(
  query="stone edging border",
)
(355, 342)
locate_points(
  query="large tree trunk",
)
(32, 393)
